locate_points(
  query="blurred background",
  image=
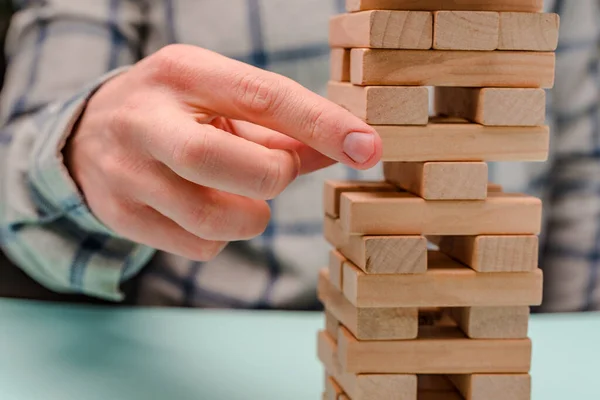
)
(568, 184)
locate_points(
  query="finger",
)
(239, 91)
(149, 227)
(204, 212)
(214, 158)
(310, 159)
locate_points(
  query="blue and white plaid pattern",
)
(61, 50)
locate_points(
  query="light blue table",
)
(51, 352)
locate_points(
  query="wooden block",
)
(333, 391)
(382, 254)
(333, 232)
(466, 30)
(336, 261)
(452, 68)
(333, 190)
(528, 6)
(382, 29)
(368, 323)
(352, 246)
(526, 31)
(367, 386)
(445, 284)
(440, 180)
(463, 142)
(492, 253)
(407, 214)
(493, 387)
(433, 355)
(493, 106)
(328, 355)
(492, 322)
(387, 254)
(339, 65)
(383, 105)
(387, 387)
(494, 188)
(331, 324)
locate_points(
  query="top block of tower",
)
(445, 30)
(528, 6)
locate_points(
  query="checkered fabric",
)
(60, 51)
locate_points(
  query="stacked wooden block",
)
(405, 322)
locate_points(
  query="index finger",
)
(239, 91)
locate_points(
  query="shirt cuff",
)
(108, 258)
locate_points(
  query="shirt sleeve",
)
(60, 52)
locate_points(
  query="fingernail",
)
(359, 146)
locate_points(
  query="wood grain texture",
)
(336, 262)
(384, 254)
(445, 284)
(331, 324)
(493, 387)
(466, 30)
(333, 232)
(452, 68)
(389, 254)
(506, 253)
(382, 29)
(434, 355)
(528, 6)
(333, 190)
(365, 386)
(526, 31)
(441, 141)
(440, 180)
(339, 65)
(382, 105)
(493, 106)
(407, 214)
(394, 323)
(492, 322)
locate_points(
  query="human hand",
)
(181, 151)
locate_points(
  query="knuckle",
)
(315, 121)
(194, 152)
(270, 185)
(259, 95)
(122, 119)
(167, 63)
(111, 166)
(205, 218)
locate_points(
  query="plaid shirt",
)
(59, 51)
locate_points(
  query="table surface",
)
(57, 352)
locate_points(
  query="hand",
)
(181, 151)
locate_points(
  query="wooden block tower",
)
(404, 322)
